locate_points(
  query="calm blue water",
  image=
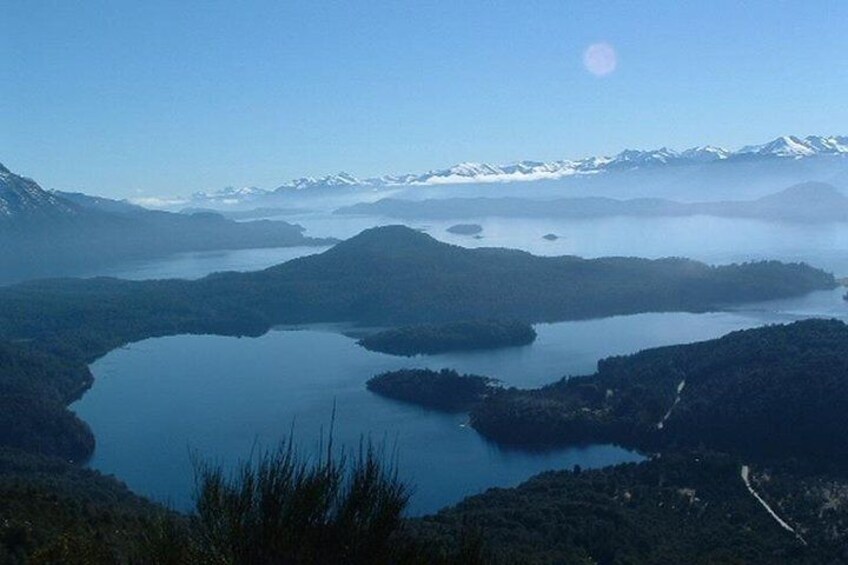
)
(195, 265)
(157, 401)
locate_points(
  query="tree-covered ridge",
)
(428, 339)
(35, 387)
(690, 507)
(771, 391)
(443, 390)
(395, 275)
(55, 512)
(386, 276)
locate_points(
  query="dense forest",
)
(773, 399)
(429, 339)
(35, 387)
(443, 390)
(52, 511)
(690, 507)
(775, 391)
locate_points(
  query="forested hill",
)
(776, 391)
(395, 274)
(388, 276)
(690, 508)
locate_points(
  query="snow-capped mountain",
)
(22, 199)
(796, 148)
(786, 147)
(630, 158)
(230, 192)
(705, 154)
(329, 181)
(828, 145)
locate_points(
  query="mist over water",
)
(199, 264)
(704, 238)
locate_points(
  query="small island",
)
(466, 229)
(455, 336)
(444, 390)
(550, 237)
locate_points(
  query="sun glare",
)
(600, 59)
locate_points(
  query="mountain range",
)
(44, 233)
(785, 147)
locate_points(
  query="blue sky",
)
(161, 97)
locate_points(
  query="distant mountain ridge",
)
(49, 233)
(100, 203)
(785, 147)
(804, 202)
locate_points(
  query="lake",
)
(156, 402)
(194, 265)
(705, 238)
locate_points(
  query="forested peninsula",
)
(444, 390)
(774, 391)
